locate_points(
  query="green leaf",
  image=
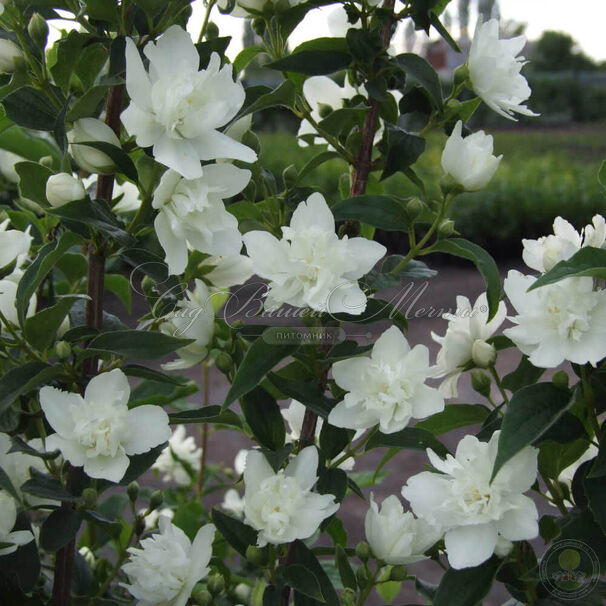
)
(67, 53)
(341, 122)
(19, 445)
(136, 344)
(27, 145)
(384, 212)
(263, 415)
(401, 149)
(302, 555)
(408, 438)
(284, 96)
(208, 47)
(348, 577)
(302, 580)
(160, 393)
(46, 259)
(588, 261)
(141, 463)
(376, 310)
(482, 260)
(435, 21)
(32, 181)
(41, 328)
(208, 414)
(260, 358)
(245, 56)
(95, 214)
(120, 286)
(22, 379)
(6, 484)
(239, 535)
(315, 162)
(530, 413)
(101, 10)
(467, 587)
(525, 374)
(119, 157)
(595, 491)
(143, 372)
(454, 416)
(468, 108)
(419, 71)
(59, 528)
(306, 391)
(88, 105)
(46, 487)
(555, 457)
(333, 481)
(602, 174)
(316, 57)
(31, 108)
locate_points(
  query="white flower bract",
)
(282, 506)
(494, 69)
(177, 108)
(557, 322)
(98, 432)
(181, 453)
(8, 517)
(395, 536)
(465, 341)
(14, 245)
(469, 161)
(164, 571)
(388, 389)
(468, 508)
(192, 213)
(90, 130)
(310, 265)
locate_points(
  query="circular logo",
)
(569, 569)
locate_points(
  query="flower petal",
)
(148, 427)
(469, 546)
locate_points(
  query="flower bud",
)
(461, 75)
(363, 551)
(202, 597)
(446, 228)
(453, 107)
(216, 584)
(212, 30)
(10, 56)
(132, 490)
(224, 362)
(89, 497)
(414, 207)
(63, 188)
(242, 592)
(398, 573)
(362, 576)
(88, 158)
(483, 354)
(348, 597)
(47, 161)
(560, 379)
(62, 349)
(156, 499)
(38, 30)
(256, 555)
(258, 26)
(480, 382)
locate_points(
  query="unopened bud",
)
(398, 573)
(156, 499)
(202, 597)
(256, 555)
(461, 75)
(216, 584)
(480, 382)
(483, 354)
(362, 576)
(212, 31)
(453, 107)
(89, 497)
(62, 349)
(47, 161)
(38, 30)
(363, 551)
(446, 228)
(132, 490)
(242, 592)
(348, 597)
(63, 188)
(560, 379)
(414, 207)
(91, 159)
(224, 362)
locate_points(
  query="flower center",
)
(101, 428)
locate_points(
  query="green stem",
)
(209, 9)
(497, 379)
(352, 452)
(204, 429)
(590, 401)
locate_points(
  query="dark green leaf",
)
(47, 257)
(19, 445)
(407, 438)
(284, 96)
(239, 535)
(260, 358)
(302, 580)
(120, 286)
(454, 416)
(208, 47)
(341, 122)
(333, 440)
(27, 145)
(88, 105)
(120, 158)
(245, 56)
(316, 161)
(595, 491)
(46, 487)
(466, 587)
(32, 181)
(482, 260)
(376, 310)
(418, 70)
(333, 481)
(316, 57)
(588, 261)
(530, 413)
(6, 484)
(348, 577)
(525, 374)
(302, 555)
(31, 108)
(59, 528)
(141, 463)
(41, 328)
(134, 370)
(306, 391)
(160, 393)
(101, 10)
(384, 212)
(136, 344)
(208, 414)
(401, 149)
(24, 378)
(68, 52)
(263, 415)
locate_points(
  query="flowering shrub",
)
(138, 174)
